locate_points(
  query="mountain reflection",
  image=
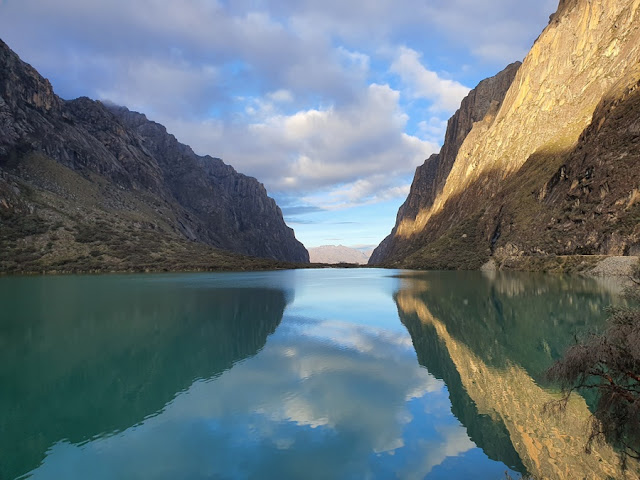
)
(490, 341)
(86, 356)
(172, 376)
(336, 393)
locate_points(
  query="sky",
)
(330, 104)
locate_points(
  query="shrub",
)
(609, 364)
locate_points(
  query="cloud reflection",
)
(323, 399)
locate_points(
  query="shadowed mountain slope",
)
(81, 180)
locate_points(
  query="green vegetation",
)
(460, 248)
(69, 223)
(30, 244)
(14, 227)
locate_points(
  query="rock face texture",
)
(481, 104)
(553, 168)
(337, 254)
(96, 171)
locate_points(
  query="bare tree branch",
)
(608, 363)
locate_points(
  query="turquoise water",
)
(327, 374)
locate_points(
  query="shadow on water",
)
(82, 357)
(490, 338)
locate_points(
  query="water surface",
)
(327, 374)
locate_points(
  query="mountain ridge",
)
(96, 171)
(430, 178)
(501, 198)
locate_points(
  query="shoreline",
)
(585, 265)
(262, 266)
(604, 266)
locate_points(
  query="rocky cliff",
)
(480, 105)
(83, 180)
(553, 168)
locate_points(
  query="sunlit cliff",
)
(540, 137)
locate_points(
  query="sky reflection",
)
(336, 392)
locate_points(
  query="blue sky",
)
(331, 104)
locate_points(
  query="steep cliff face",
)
(584, 201)
(229, 209)
(585, 59)
(95, 172)
(480, 105)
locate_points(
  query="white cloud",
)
(374, 189)
(306, 46)
(357, 153)
(433, 129)
(281, 96)
(250, 47)
(497, 31)
(355, 60)
(164, 85)
(445, 94)
(325, 381)
(292, 93)
(455, 442)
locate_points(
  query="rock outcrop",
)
(552, 170)
(481, 104)
(95, 171)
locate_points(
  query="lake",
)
(308, 374)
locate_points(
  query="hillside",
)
(85, 186)
(552, 169)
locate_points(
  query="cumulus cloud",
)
(251, 46)
(300, 46)
(157, 86)
(432, 129)
(358, 152)
(280, 96)
(294, 93)
(374, 189)
(445, 94)
(497, 31)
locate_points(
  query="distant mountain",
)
(540, 161)
(88, 186)
(337, 254)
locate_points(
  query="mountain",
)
(550, 167)
(84, 185)
(480, 105)
(337, 254)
